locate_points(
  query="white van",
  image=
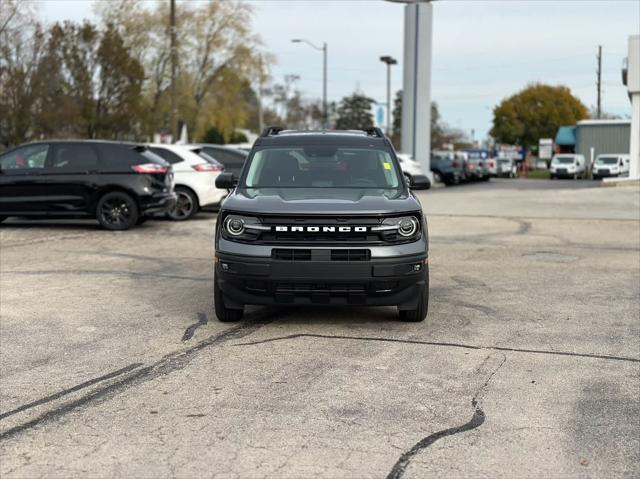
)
(567, 165)
(610, 164)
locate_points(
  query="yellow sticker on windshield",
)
(387, 166)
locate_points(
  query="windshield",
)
(322, 167)
(607, 161)
(564, 160)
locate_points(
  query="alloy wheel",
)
(183, 207)
(116, 212)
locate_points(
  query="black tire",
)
(420, 313)
(117, 211)
(595, 177)
(186, 205)
(224, 314)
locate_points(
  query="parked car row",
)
(454, 167)
(119, 184)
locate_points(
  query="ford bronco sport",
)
(321, 218)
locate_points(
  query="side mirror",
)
(420, 182)
(226, 181)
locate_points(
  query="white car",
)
(195, 180)
(410, 168)
(610, 165)
(506, 167)
(567, 165)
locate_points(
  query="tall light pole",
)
(389, 61)
(323, 49)
(174, 60)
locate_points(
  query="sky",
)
(483, 51)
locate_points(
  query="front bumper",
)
(395, 281)
(605, 174)
(563, 173)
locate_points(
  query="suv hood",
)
(338, 201)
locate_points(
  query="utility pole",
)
(389, 61)
(260, 92)
(174, 61)
(325, 113)
(599, 82)
(323, 49)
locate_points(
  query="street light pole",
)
(324, 86)
(324, 50)
(172, 29)
(389, 61)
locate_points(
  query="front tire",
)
(186, 205)
(420, 313)
(224, 314)
(117, 211)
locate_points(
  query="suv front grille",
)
(326, 233)
(350, 255)
(291, 254)
(321, 255)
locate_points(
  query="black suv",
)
(321, 218)
(119, 184)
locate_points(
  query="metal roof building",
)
(604, 136)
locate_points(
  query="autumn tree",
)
(354, 112)
(119, 99)
(535, 112)
(22, 43)
(216, 53)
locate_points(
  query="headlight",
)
(405, 227)
(236, 227)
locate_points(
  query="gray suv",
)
(321, 218)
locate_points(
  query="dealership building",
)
(594, 137)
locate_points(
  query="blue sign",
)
(380, 115)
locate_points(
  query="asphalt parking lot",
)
(112, 362)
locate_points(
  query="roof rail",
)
(374, 131)
(271, 130)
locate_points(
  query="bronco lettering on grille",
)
(320, 229)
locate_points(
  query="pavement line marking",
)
(450, 345)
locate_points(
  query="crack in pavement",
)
(443, 344)
(476, 421)
(166, 365)
(191, 329)
(70, 390)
